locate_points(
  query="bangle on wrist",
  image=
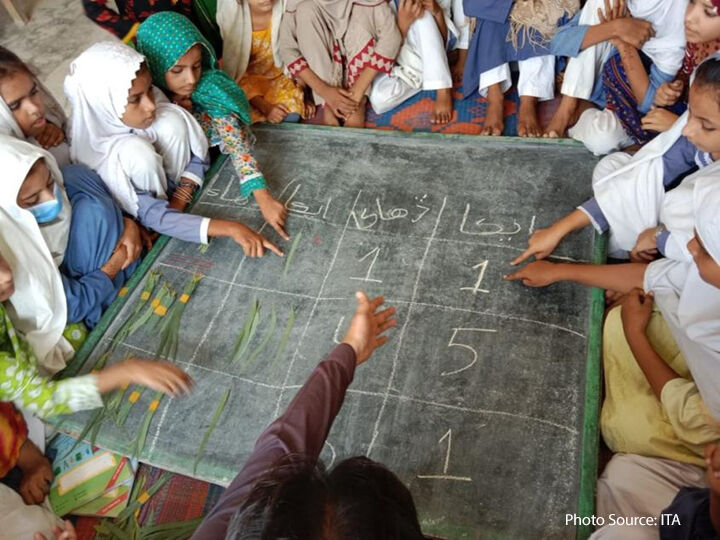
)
(185, 183)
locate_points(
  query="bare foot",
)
(528, 124)
(562, 118)
(357, 119)
(37, 474)
(495, 114)
(443, 107)
(328, 117)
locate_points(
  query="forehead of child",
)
(16, 85)
(190, 58)
(704, 102)
(37, 179)
(141, 83)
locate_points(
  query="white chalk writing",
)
(300, 208)
(367, 218)
(453, 343)
(446, 464)
(487, 229)
(476, 288)
(374, 252)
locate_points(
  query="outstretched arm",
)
(615, 277)
(304, 426)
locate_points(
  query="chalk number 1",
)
(446, 465)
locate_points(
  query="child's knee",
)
(424, 25)
(600, 131)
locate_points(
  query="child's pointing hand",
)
(542, 243)
(535, 274)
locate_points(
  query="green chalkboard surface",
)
(478, 402)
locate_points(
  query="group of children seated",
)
(620, 68)
(87, 195)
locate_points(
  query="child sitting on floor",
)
(183, 63)
(64, 232)
(429, 28)
(250, 56)
(635, 67)
(23, 512)
(28, 111)
(662, 383)
(28, 512)
(120, 131)
(630, 191)
(337, 47)
(702, 31)
(516, 31)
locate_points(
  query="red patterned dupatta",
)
(695, 53)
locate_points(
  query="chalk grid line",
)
(315, 304)
(387, 394)
(401, 336)
(411, 236)
(399, 397)
(387, 300)
(163, 414)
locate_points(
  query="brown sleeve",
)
(302, 429)
(288, 47)
(389, 39)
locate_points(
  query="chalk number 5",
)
(454, 342)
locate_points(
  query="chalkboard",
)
(477, 400)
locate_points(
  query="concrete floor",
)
(57, 32)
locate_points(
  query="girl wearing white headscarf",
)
(601, 130)
(635, 196)
(49, 223)
(662, 365)
(158, 157)
(27, 109)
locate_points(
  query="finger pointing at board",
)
(535, 274)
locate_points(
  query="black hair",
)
(10, 64)
(708, 75)
(298, 499)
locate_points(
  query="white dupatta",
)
(691, 306)
(98, 87)
(667, 48)
(38, 307)
(235, 22)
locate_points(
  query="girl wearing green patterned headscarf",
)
(183, 63)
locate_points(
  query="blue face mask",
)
(49, 210)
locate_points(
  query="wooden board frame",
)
(593, 374)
